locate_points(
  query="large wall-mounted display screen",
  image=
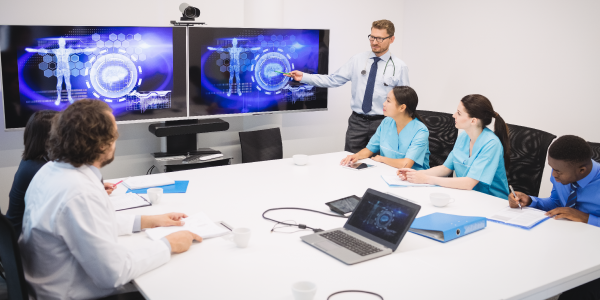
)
(139, 71)
(239, 70)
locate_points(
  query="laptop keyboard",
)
(351, 243)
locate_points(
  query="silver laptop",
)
(375, 228)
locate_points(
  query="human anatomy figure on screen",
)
(234, 63)
(62, 66)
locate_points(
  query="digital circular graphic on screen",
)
(113, 75)
(267, 68)
(384, 219)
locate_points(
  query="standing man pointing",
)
(373, 75)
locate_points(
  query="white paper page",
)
(119, 191)
(523, 217)
(199, 224)
(141, 182)
(125, 201)
(394, 180)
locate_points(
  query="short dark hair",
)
(36, 134)
(572, 149)
(82, 132)
(384, 24)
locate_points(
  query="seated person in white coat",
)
(402, 140)
(480, 157)
(69, 239)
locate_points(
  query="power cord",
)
(301, 226)
(355, 291)
(150, 170)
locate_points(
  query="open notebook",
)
(128, 201)
(198, 223)
(525, 218)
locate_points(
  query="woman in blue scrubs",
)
(401, 139)
(480, 156)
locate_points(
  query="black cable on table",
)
(301, 226)
(355, 291)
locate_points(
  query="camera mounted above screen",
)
(189, 15)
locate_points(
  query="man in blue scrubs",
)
(575, 195)
(373, 74)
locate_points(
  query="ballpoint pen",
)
(115, 185)
(515, 194)
(284, 73)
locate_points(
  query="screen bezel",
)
(323, 69)
(178, 56)
(388, 197)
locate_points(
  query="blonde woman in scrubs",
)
(480, 156)
(402, 140)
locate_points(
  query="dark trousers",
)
(360, 130)
(587, 291)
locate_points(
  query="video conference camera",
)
(189, 12)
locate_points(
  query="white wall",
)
(536, 60)
(308, 133)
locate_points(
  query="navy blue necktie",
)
(368, 99)
(572, 200)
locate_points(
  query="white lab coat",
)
(69, 241)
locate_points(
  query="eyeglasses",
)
(378, 39)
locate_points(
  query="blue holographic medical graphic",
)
(234, 63)
(260, 57)
(267, 68)
(113, 75)
(107, 63)
(64, 64)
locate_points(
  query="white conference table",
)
(499, 262)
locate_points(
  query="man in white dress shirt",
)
(69, 241)
(373, 74)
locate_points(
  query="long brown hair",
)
(82, 132)
(407, 96)
(36, 134)
(480, 107)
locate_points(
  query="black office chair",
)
(11, 262)
(442, 135)
(595, 151)
(528, 149)
(261, 145)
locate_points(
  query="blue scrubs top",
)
(412, 142)
(485, 165)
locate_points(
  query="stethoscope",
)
(364, 71)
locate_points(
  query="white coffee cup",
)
(304, 290)
(241, 236)
(300, 159)
(440, 199)
(155, 195)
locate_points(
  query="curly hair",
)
(572, 149)
(384, 24)
(82, 132)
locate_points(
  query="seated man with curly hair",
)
(69, 241)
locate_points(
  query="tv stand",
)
(182, 135)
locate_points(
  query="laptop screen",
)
(383, 218)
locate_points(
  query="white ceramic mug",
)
(155, 195)
(241, 236)
(300, 159)
(304, 290)
(440, 199)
